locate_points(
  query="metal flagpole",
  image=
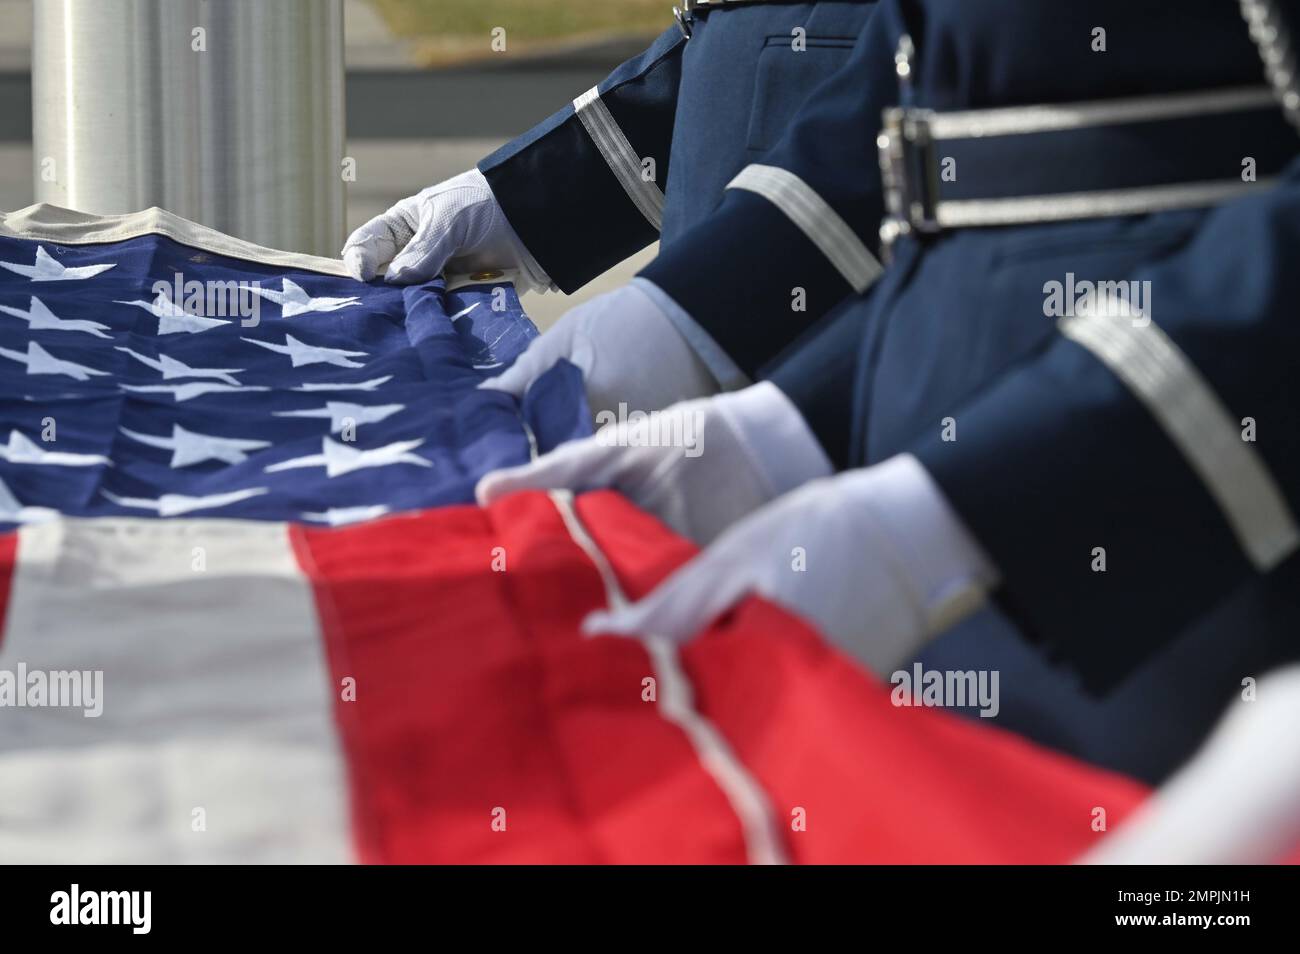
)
(229, 113)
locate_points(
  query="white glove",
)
(875, 558)
(457, 225)
(630, 353)
(698, 466)
(1236, 803)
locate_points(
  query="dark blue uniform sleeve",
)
(1129, 477)
(584, 189)
(798, 230)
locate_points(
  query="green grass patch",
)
(524, 20)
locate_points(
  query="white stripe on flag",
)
(744, 793)
(217, 697)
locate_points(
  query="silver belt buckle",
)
(684, 15)
(909, 174)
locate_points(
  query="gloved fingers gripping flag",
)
(413, 686)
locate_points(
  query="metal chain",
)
(1268, 30)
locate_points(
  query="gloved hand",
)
(698, 466)
(629, 350)
(456, 225)
(875, 558)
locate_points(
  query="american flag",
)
(250, 613)
(334, 401)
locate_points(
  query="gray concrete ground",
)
(16, 188)
(407, 128)
(15, 35)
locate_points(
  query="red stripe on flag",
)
(851, 777)
(8, 561)
(475, 693)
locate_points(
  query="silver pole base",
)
(229, 113)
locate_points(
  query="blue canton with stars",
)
(344, 402)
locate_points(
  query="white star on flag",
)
(339, 459)
(50, 269)
(340, 412)
(40, 361)
(192, 389)
(370, 385)
(294, 301)
(301, 353)
(21, 449)
(11, 511)
(173, 319)
(173, 505)
(40, 318)
(190, 447)
(171, 368)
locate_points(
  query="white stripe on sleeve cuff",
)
(1186, 407)
(622, 159)
(816, 219)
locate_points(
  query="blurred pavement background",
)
(426, 94)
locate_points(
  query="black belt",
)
(1061, 161)
(686, 12)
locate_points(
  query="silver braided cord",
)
(1268, 30)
